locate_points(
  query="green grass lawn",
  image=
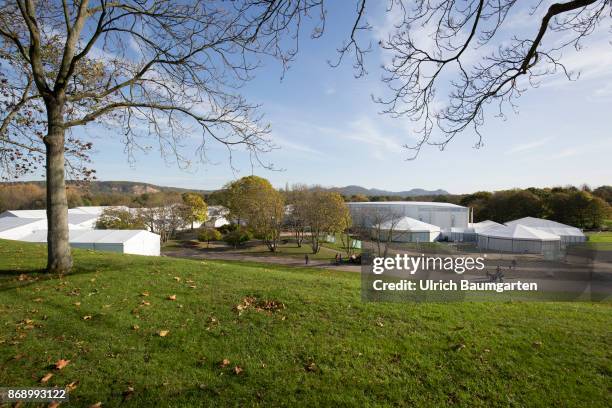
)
(324, 348)
(600, 236)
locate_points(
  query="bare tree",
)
(163, 68)
(472, 48)
(378, 223)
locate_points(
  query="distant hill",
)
(135, 187)
(415, 192)
(122, 187)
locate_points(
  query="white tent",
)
(406, 229)
(95, 210)
(25, 214)
(481, 226)
(16, 228)
(518, 239)
(567, 233)
(137, 242)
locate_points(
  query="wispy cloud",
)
(525, 147)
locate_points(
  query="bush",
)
(237, 237)
(209, 234)
(227, 228)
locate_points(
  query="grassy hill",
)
(288, 337)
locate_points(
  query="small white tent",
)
(518, 239)
(406, 229)
(567, 233)
(137, 242)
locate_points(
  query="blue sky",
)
(330, 132)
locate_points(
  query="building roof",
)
(552, 227)
(408, 224)
(90, 236)
(406, 203)
(519, 232)
(95, 210)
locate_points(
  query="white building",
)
(568, 234)
(217, 216)
(406, 229)
(519, 239)
(138, 242)
(442, 215)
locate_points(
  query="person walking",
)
(306, 260)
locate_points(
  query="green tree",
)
(197, 207)
(323, 212)
(252, 200)
(116, 218)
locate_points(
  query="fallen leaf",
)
(224, 363)
(144, 294)
(128, 392)
(311, 367)
(145, 303)
(135, 327)
(72, 386)
(163, 333)
(459, 347)
(61, 363)
(22, 277)
(38, 300)
(77, 303)
(87, 317)
(193, 286)
(96, 405)
(46, 378)
(172, 297)
(237, 370)
(53, 404)
(176, 278)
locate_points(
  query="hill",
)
(122, 187)
(255, 334)
(415, 192)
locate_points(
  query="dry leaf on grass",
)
(77, 303)
(135, 327)
(72, 386)
(145, 303)
(46, 378)
(61, 363)
(238, 370)
(172, 297)
(96, 405)
(176, 278)
(224, 363)
(145, 293)
(163, 333)
(87, 317)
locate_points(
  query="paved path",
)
(194, 253)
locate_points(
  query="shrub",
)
(209, 234)
(237, 237)
(227, 228)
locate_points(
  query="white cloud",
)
(525, 147)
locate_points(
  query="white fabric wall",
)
(519, 246)
(143, 244)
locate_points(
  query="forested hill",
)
(121, 187)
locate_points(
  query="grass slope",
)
(325, 348)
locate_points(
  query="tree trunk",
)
(59, 259)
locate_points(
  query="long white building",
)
(442, 215)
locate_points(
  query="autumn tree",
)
(323, 212)
(253, 201)
(121, 219)
(197, 206)
(161, 68)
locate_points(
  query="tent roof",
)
(80, 218)
(95, 210)
(484, 225)
(408, 224)
(8, 223)
(91, 236)
(552, 227)
(25, 213)
(519, 232)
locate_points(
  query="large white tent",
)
(567, 233)
(519, 239)
(76, 220)
(137, 242)
(406, 229)
(16, 228)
